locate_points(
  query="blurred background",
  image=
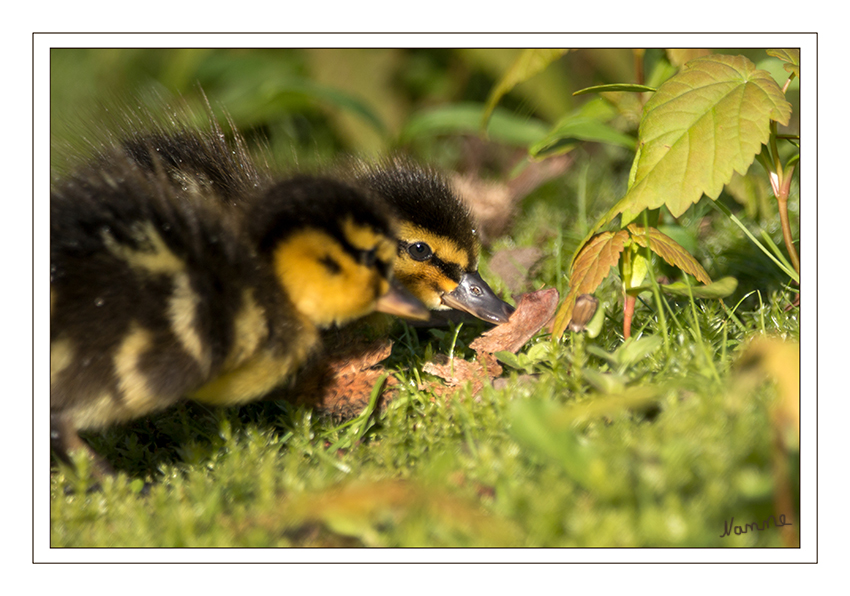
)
(527, 184)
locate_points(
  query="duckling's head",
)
(438, 247)
(331, 247)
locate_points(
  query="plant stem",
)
(780, 182)
(638, 56)
(787, 83)
(628, 313)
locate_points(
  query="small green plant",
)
(712, 118)
(780, 175)
(530, 361)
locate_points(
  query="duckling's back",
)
(208, 164)
(153, 292)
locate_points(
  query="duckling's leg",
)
(65, 442)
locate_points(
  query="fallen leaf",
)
(532, 312)
(340, 380)
(456, 372)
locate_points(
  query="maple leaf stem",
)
(774, 148)
(787, 83)
(628, 313)
(782, 200)
(780, 183)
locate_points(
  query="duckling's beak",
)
(398, 301)
(474, 296)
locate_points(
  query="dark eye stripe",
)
(451, 270)
(330, 263)
(369, 258)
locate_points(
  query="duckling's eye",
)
(420, 251)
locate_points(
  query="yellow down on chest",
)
(251, 380)
(255, 376)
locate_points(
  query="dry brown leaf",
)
(456, 372)
(532, 312)
(340, 380)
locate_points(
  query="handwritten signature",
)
(729, 528)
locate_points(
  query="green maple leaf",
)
(703, 124)
(791, 57)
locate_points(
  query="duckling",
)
(437, 260)
(439, 247)
(159, 293)
(437, 256)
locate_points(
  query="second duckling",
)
(159, 293)
(439, 247)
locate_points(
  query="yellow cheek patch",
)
(321, 292)
(446, 249)
(156, 257)
(425, 281)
